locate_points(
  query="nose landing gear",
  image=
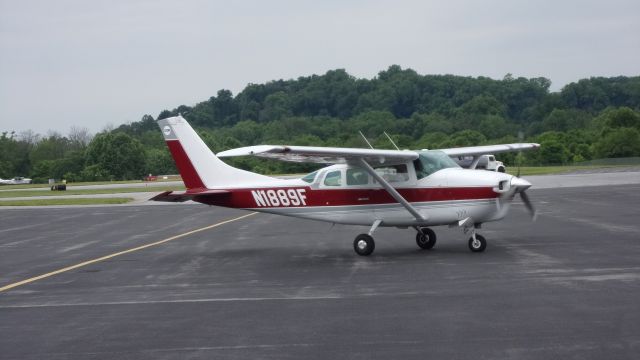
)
(477, 243)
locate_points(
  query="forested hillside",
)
(593, 118)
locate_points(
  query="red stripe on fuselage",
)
(243, 198)
(189, 174)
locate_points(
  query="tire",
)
(426, 238)
(501, 169)
(364, 245)
(479, 245)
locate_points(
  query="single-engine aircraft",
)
(15, 181)
(371, 187)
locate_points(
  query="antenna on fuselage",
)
(389, 137)
(365, 139)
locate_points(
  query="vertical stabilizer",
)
(197, 164)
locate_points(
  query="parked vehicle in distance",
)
(15, 181)
(486, 162)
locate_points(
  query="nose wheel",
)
(477, 243)
(364, 245)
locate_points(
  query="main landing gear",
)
(425, 238)
(364, 244)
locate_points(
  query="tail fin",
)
(197, 164)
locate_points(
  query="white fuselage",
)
(442, 198)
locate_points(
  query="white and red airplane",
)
(394, 188)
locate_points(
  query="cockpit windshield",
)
(431, 161)
(310, 177)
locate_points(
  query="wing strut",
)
(476, 160)
(393, 192)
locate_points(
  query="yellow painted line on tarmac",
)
(106, 257)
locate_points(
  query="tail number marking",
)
(280, 197)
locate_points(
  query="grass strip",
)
(29, 193)
(546, 170)
(72, 201)
(82, 183)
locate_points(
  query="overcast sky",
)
(93, 63)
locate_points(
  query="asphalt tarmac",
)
(263, 286)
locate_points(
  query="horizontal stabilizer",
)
(173, 196)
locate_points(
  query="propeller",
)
(529, 205)
(520, 186)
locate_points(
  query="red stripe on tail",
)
(189, 174)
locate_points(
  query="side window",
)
(333, 178)
(395, 173)
(357, 177)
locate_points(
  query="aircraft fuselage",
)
(445, 197)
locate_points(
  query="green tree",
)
(14, 155)
(464, 138)
(276, 107)
(619, 142)
(116, 155)
(622, 117)
(494, 126)
(432, 140)
(565, 119)
(483, 105)
(8, 149)
(225, 110)
(159, 162)
(247, 132)
(50, 148)
(434, 122)
(553, 152)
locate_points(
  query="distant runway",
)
(136, 282)
(598, 177)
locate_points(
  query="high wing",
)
(323, 155)
(489, 149)
(335, 155)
